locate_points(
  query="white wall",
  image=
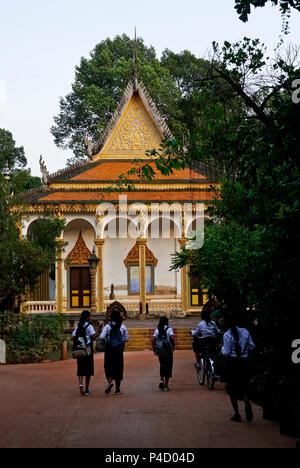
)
(115, 252)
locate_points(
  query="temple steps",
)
(141, 339)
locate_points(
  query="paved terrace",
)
(41, 408)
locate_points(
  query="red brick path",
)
(41, 407)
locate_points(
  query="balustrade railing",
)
(40, 307)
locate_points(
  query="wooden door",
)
(80, 288)
(197, 298)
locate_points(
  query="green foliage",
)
(243, 7)
(14, 160)
(22, 180)
(31, 338)
(100, 82)
(250, 260)
(23, 260)
(10, 154)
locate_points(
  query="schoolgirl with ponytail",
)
(163, 345)
(115, 334)
(85, 365)
(237, 343)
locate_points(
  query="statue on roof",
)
(89, 146)
(44, 171)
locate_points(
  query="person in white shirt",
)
(206, 333)
(237, 343)
(115, 335)
(85, 365)
(163, 345)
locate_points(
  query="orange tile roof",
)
(131, 196)
(111, 170)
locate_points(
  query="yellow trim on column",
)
(184, 282)
(100, 279)
(142, 263)
(59, 281)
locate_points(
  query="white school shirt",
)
(90, 331)
(245, 342)
(107, 329)
(205, 330)
(169, 333)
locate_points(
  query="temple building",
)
(120, 245)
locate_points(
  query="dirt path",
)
(41, 407)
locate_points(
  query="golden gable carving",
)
(80, 254)
(136, 134)
(133, 256)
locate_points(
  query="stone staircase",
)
(141, 339)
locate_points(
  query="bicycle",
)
(206, 368)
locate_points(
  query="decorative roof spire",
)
(135, 65)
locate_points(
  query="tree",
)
(22, 180)
(251, 256)
(250, 260)
(11, 156)
(199, 97)
(23, 260)
(13, 160)
(100, 82)
(243, 7)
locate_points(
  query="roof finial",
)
(135, 64)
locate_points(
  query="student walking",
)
(237, 343)
(85, 365)
(116, 335)
(163, 345)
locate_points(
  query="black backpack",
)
(80, 346)
(163, 347)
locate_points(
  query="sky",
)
(42, 42)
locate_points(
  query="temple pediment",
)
(136, 127)
(134, 134)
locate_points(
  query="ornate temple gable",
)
(135, 127)
(134, 134)
(148, 129)
(80, 254)
(133, 256)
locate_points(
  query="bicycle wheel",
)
(201, 373)
(210, 375)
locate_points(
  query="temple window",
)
(134, 279)
(133, 271)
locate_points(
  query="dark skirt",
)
(237, 377)
(199, 343)
(114, 362)
(85, 365)
(166, 366)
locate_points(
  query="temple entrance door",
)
(196, 293)
(80, 287)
